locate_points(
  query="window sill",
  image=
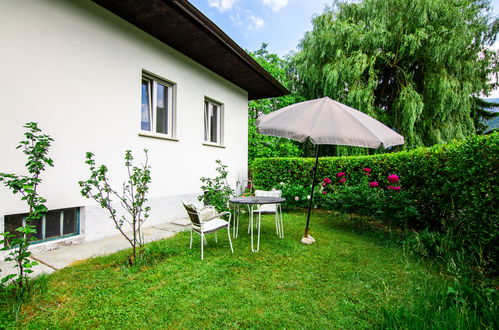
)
(213, 145)
(157, 136)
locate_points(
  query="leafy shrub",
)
(453, 187)
(217, 191)
(295, 195)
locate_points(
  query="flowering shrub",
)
(393, 178)
(368, 198)
(453, 186)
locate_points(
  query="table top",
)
(257, 200)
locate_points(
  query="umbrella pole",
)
(312, 192)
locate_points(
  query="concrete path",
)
(50, 261)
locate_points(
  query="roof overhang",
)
(181, 26)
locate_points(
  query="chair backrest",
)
(193, 213)
(268, 193)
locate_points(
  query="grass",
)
(348, 279)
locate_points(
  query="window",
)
(213, 122)
(157, 108)
(54, 224)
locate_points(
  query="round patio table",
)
(250, 202)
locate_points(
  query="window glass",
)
(214, 124)
(206, 120)
(69, 221)
(157, 109)
(145, 114)
(38, 227)
(162, 109)
(52, 224)
(12, 222)
(49, 226)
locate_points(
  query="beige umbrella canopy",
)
(325, 121)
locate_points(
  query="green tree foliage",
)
(417, 66)
(263, 145)
(482, 112)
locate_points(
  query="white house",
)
(109, 75)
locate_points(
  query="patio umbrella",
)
(325, 121)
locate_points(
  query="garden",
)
(404, 240)
(405, 237)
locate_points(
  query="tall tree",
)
(263, 145)
(417, 66)
(482, 113)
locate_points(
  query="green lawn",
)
(345, 280)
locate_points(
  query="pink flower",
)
(343, 180)
(373, 184)
(367, 170)
(393, 178)
(326, 181)
(393, 188)
(340, 174)
(324, 192)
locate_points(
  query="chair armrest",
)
(217, 216)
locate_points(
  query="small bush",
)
(217, 191)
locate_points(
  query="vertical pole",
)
(312, 192)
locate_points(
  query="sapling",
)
(132, 198)
(36, 147)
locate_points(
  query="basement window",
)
(157, 113)
(54, 224)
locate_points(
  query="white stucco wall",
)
(76, 69)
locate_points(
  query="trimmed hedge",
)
(453, 186)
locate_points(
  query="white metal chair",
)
(206, 221)
(271, 208)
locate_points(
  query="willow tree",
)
(417, 66)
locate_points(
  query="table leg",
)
(236, 221)
(282, 224)
(251, 228)
(277, 229)
(259, 220)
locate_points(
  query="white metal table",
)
(250, 202)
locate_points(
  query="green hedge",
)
(453, 186)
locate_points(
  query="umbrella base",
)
(308, 240)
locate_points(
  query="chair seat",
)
(213, 225)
